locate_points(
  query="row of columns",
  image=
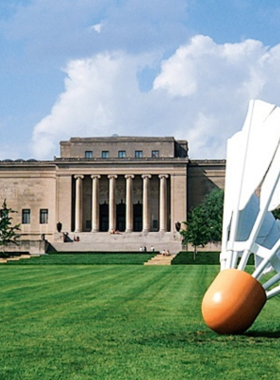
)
(129, 202)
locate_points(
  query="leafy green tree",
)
(8, 232)
(196, 231)
(276, 213)
(204, 222)
(213, 205)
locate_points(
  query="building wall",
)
(178, 198)
(203, 177)
(168, 147)
(30, 188)
(64, 204)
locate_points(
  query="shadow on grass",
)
(210, 337)
(263, 334)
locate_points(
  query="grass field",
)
(87, 259)
(124, 322)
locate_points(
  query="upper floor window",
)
(155, 153)
(44, 216)
(105, 154)
(25, 217)
(138, 154)
(88, 154)
(122, 154)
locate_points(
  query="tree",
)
(276, 213)
(213, 204)
(204, 222)
(8, 233)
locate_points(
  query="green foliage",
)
(276, 213)
(197, 232)
(8, 232)
(204, 222)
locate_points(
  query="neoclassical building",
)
(136, 187)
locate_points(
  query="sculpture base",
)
(232, 302)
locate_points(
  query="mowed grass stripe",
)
(55, 289)
(27, 275)
(107, 283)
(124, 322)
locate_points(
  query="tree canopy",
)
(8, 232)
(204, 222)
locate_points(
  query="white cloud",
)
(201, 93)
(97, 27)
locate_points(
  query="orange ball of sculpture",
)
(232, 302)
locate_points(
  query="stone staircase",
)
(14, 258)
(160, 260)
(122, 242)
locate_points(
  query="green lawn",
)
(124, 322)
(87, 259)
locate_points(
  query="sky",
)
(86, 68)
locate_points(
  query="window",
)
(138, 154)
(104, 154)
(44, 216)
(26, 213)
(122, 154)
(88, 154)
(155, 153)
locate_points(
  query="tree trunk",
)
(194, 252)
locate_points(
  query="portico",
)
(126, 202)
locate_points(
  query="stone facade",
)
(98, 185)
(203, 177)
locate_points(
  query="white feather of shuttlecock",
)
(252, 190)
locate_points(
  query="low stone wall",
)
(31, 246)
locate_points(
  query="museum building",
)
(136, 187)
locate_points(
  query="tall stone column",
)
(95, 202)
(112, 202)
(146, 202)
(163, 203)
(129, 203)
(79, 203)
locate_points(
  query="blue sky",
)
(185, 68)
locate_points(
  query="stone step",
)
(123, 242)
(100, 237)
(14, 258)
(160, 260)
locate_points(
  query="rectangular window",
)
(104, 154)
(138, 154)
(44, 216)
(122, 154)
(88, 154)
(26, 213)
(155, 153)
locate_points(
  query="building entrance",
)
(104, 217)
(137, 217)
(121, 217)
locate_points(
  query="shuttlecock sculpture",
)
(252, 190)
